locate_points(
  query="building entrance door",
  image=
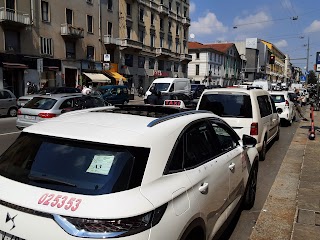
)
(70, 77)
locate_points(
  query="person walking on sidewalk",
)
(297, 102)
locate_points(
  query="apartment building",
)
(153, 40)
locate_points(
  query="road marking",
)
(3, 134)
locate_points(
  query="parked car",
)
(48, 106)
(249, 111)
(49, 90)
(126, 172)
(197, 89)
(115, 94)
(285, 107)
(8, 103)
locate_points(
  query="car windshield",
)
(73, 166)
(278, 98)
(227, 105)
(193, 87)
(161, 86)
(40, 103)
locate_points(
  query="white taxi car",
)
(128, 172)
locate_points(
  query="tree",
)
(312, 78)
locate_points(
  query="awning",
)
(115, 75)
(98, 77)
(14, 65)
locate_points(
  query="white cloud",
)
(254, 22)
(209, 24)
(192, 7)
(281, 44)
(314, 27)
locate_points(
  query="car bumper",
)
(21, 123)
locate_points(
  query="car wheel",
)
(263, 151)
(12, 112)
(250, 192)
(277, 137)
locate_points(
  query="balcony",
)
(186, 21)
(69, 31)
(129, 43)
(163, 52)
(185, 57)
(141, 1)
(14, 18)
(109, 40)
(153, 5)
(163, 10)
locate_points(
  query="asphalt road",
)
(242, 225)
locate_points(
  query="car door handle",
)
(231, 166)
(204, 188)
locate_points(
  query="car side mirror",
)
(248, 141)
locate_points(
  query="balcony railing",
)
(109, 40)
(163, 10)
(186, 21)
(185, 57)
(70, 31)
(129, 43)
(10, 15)
(163, 51)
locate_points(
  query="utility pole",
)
(307, 68)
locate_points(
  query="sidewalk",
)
(292, 208)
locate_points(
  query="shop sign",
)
(159, 73)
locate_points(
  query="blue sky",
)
(272, 20)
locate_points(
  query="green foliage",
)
(312, 78)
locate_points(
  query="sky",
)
(288, 24)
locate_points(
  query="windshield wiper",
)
(46, 179)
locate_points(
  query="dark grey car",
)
(8, 103)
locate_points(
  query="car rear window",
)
(161, 86)
(278, 98)
(73, 166)
(40, 103)
(227, 105)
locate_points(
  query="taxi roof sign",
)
(174, 103)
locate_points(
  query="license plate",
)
(30, 117)
(7, 236)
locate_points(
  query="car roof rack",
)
(253, 87)
(162, 113)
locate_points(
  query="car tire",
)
(263, 151)
(251, 188)
(12, 112)
(277, 137)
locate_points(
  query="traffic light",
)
(272, 59)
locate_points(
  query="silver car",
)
(8, 103)
(46, 106)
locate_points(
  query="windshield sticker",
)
(101, 164)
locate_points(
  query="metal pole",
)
(307, 68)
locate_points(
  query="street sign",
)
(302, 78)
(40, 65)
(318, 62)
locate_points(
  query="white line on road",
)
(3, 134)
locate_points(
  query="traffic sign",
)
(302, 78)
(318, 62)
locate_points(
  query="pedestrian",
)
(296, 97)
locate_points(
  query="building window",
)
(152, 40)
(109, 30)
(45, 11)
(69, 16)
(185, 12)
(70, 50)
(128, 9)
(177, 46)
(169, 26)
(141, 61)
(176, 67)
(46, 46)
(170, 5)
(161, 42)
(151, 63)
(12, 41)
(185, 34)
(161, 23)
(197, 55)
(128, 32)
(168, 66)
(197, 70)
(90, 52)
(177, 30)
(109, 5)
(184, 68)
(152, 19)
(160, 65)
(141, 14)
(169, 42)
(128, 60)
(178, 8)
(90, 23)
(141, 36)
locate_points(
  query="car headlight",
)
(110, 228)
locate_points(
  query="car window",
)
(199, 147)
(6, 95)
(176, 161)
(227, 105)
(171, 88)
(125, 90)
(2, 95)
(74, 166)
(40, 103)
(273, 105)
(226, 140)
(264, 106)
(278, 98)
(68, 103)
(160, 86)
